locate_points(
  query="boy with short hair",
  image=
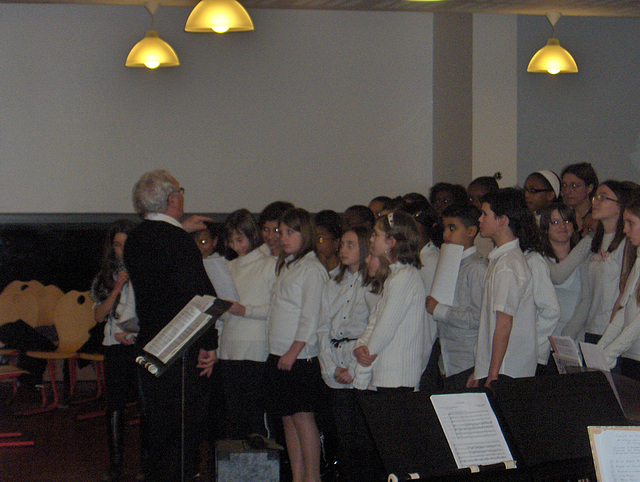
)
(507, 332)
(458, 323)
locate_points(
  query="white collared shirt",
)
(295, 306)
(508, 288)
(163, 217)
(344, 314)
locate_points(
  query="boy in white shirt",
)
(507, 332)
(458, 323)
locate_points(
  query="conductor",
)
(165, 268)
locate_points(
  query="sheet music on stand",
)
(181, 332)
(472, 431)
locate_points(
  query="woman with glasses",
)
(578, 183)
(559, 236)
(601, 271)
(541, 188)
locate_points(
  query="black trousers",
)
(120, 375)
(161, 402)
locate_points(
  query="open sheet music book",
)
(472, 431)
(565, 353)
(615, 453)
(181, 332)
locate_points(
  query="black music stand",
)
(544, 421)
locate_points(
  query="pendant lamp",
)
(218, 16)
(552, 58)
(152, 52)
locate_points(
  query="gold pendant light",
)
(218, 16)
(552, 58)
(152, 52)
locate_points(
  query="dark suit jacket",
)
(166, 270)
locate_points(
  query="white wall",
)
(495, 97)
(325, 109)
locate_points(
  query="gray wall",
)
(592, 116)
(325, 109)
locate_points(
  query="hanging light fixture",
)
(218, 16)
(552, 58)
(152, 52)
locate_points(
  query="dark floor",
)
(65, 450)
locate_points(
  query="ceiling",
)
(602, 8)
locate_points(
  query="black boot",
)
(115, 436)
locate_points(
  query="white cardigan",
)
(295, 306)
(622, 337)
(245, 338)
(396, 332)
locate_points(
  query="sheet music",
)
(218, 272)
(171, 337)
(446, 277)
(594, 356)
(616, 453)
(471, 428)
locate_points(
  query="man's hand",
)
(206, 360)
(195, 223)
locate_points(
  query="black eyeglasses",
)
(533, 190)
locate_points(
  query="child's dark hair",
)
(385, 200)
(273, 212)
(111, 264)
(583, 171)
(364, 236)
(488, 183)
(358, 215)
(625, 195)
(299, 220)
(329, 220)
(467, 213)
(427, 218)
(510, 202)
(242, 221)
(567, 214)
(458, 192)
(404, 229)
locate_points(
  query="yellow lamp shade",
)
(152, 52)
(218, 16)
(552, 59)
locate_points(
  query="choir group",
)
(331, 305)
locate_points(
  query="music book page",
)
(218, 272)
(472, 429)
(444, 281)
(188, 320)
(565, 353)
(594, 356)
(616, 453)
